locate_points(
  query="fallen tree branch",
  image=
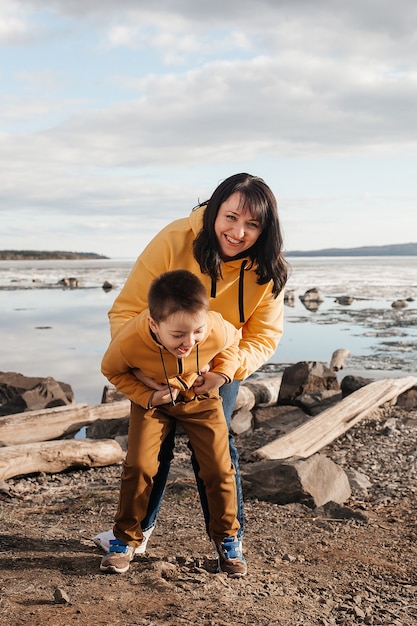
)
(321, 430)
(56, 456)
(47, 424)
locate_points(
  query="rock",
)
(106, 286)
(350, 384)
(61, 596)
(305, 377)
(20, 393)
(311, 299)
(108, 429)
(315, 403)
(399, 304)
(70, 282)
(333, 510)
(408, 399)
(337, 362)
(313, 481)
(311, 295)
(344, 300)
(280, 419)
(111, 394)
(289, 297)
(165, 569)
(359, 482)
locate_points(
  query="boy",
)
(168, 342)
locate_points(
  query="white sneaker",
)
(102, 540)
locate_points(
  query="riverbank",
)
(306, 567)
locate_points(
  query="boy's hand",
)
(208, 381)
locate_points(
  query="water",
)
(47, 330)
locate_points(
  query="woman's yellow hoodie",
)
(135, 346)
(237, 296)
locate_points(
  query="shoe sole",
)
(110, 569)
(231, 574)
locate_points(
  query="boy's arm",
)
(117, 370)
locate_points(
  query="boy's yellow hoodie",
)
(135, 346)
(237, 296)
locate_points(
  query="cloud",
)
(120, 110)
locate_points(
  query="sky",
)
(117, 117)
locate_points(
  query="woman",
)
(233, 243)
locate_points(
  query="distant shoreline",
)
(42, 255)
(401, 249)
(404, 249)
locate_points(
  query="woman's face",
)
(235, 229)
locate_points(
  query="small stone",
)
(61, 596)
(358, 612)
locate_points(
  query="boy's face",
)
(181, 331)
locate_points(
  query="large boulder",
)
(19, 393)
(313, 481)
(306, 377)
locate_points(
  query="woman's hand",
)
(200, 378)
(163, 396)
(207, 381)
(147, 380)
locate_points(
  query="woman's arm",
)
(261, 335)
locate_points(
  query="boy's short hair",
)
(178, 290)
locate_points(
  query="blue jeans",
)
(229, 395)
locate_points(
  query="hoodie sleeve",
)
(260, 335)
(170, 249)
(227, 360)
(116, 369)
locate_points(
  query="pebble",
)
(61, 596)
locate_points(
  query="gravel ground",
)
(306, 567)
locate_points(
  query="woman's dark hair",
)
(266, 254)
(178, 290)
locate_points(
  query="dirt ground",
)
(305, 566)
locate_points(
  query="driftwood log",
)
(27, 446)
(320, 431)
(48, 424)
(56, 456)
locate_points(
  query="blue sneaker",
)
(118, 558)
(230, 557)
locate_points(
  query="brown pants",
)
(203, 420)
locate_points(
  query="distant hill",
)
(45, 255)
(400, 249)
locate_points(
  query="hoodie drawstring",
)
(166, 373)
(213, 288)
(241, 301)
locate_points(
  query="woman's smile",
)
(235, 229)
